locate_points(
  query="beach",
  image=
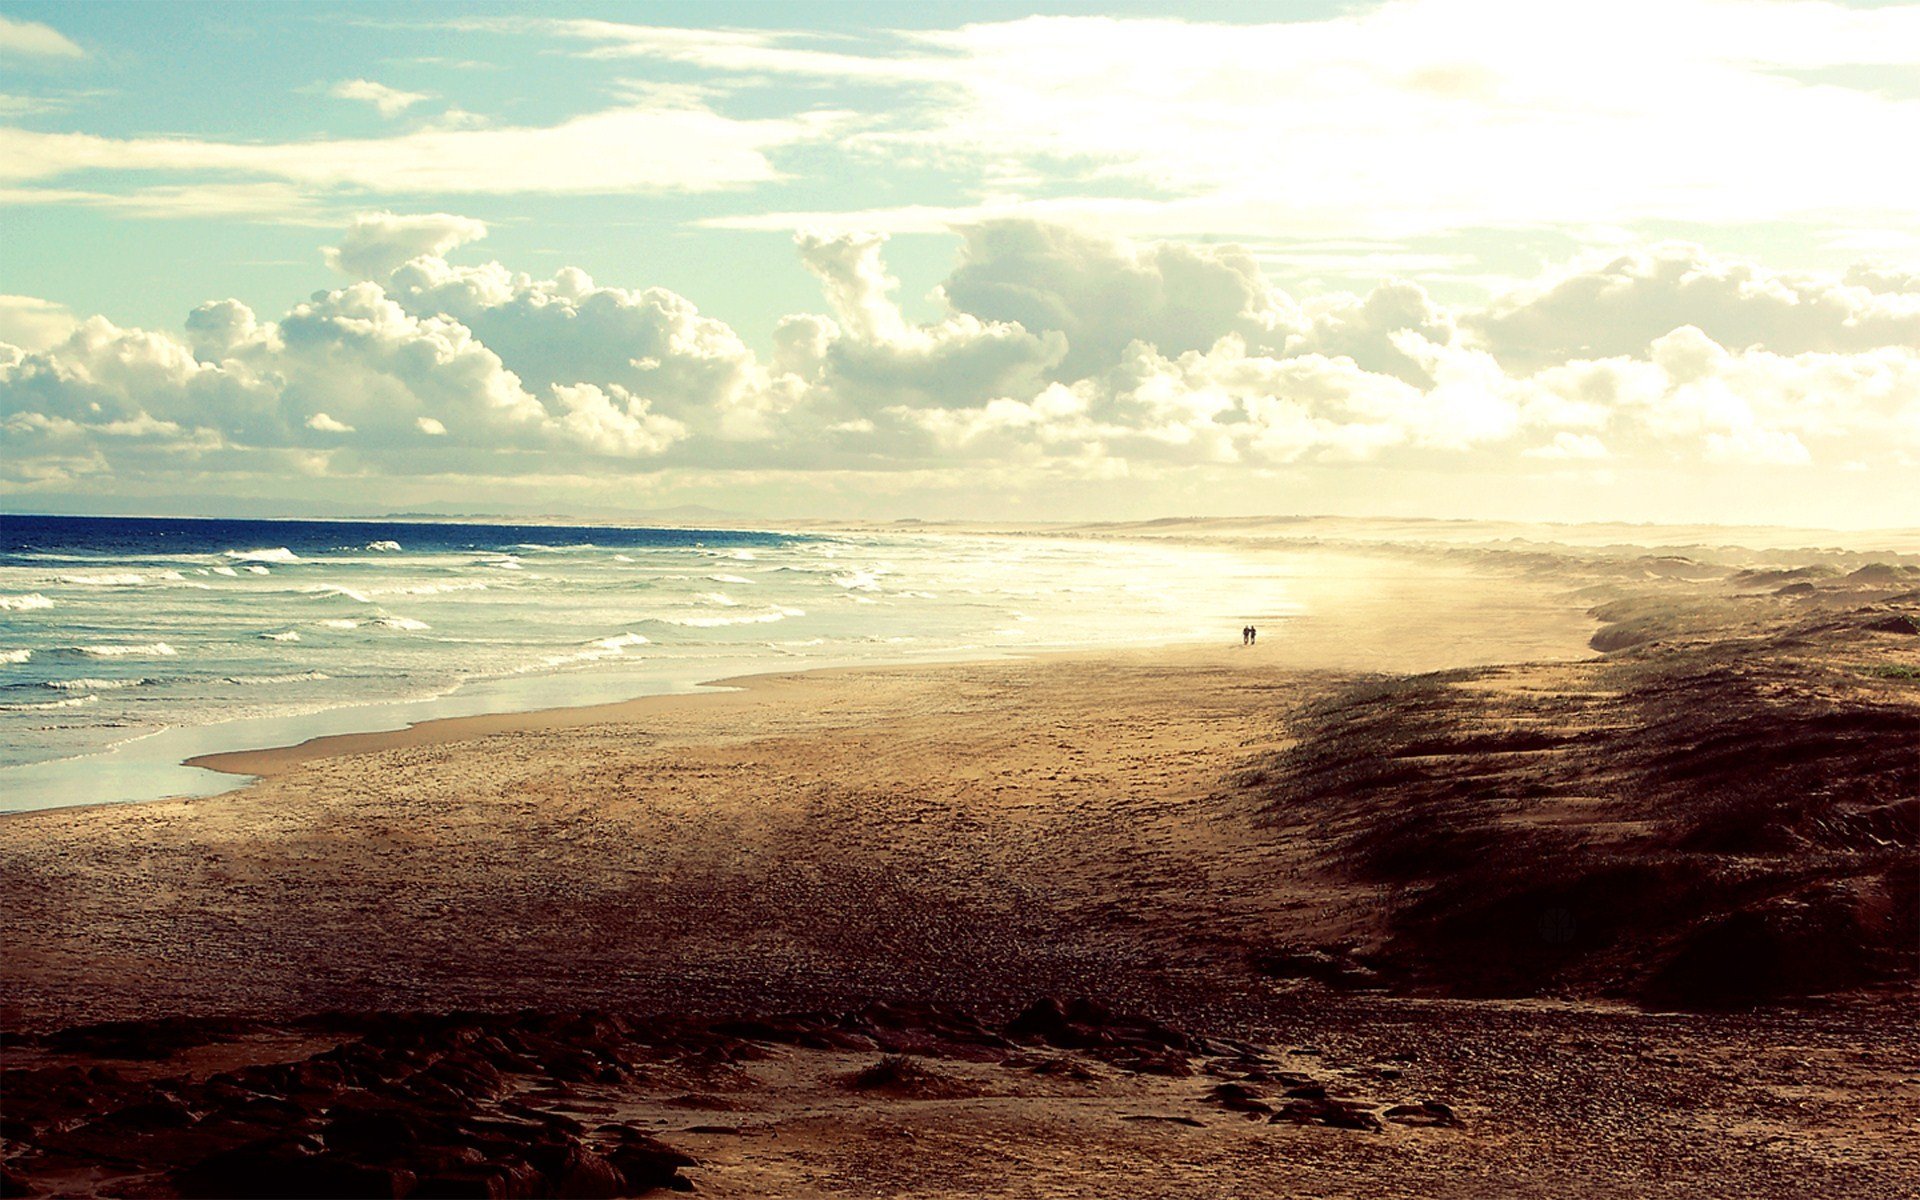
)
(1353, 883)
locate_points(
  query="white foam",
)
(297, 677)
(143, 650)
(119, 579)
(729, 579)
(285, 635)
(326, 590)
(16, 656)
(430, 589)
(776, 613)
(257, 569)
(225, 571)
(26, 603)
(858, 580)
(337, 623)
(407, 623)
(384, 547)
(606, 647)
(41, 705)
(92, 685)
(278, 554)
(719, 598)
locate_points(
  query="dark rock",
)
(1427, 1112)
(13, 1183)
(1236, 1097)
(290, 1168)
(646, 1163)
(1338, 1114)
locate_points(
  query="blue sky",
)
(1461, 236)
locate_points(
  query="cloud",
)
(375, 244)
(1406, 118)
(1103, 292)
(322, 423)
(568, 330)
(654, 146)
(1059, 356)
(32, 323)
(390, 101)
(1622, 305)
(281, 203)
(31, 39)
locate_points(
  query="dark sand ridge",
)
(1215, 838)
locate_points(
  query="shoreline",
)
(265, 762)
(1328, 627)
(1335, 630)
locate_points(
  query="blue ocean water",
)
(127, 644)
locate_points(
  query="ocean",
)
(128, 644)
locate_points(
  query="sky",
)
(1632, 260)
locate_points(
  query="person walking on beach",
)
(1253, 635)
(1246, 634)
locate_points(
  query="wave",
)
(407, 623)
(229, 571)
(430, 589)
(16, 656)
(503, 562)
(121, 579)
(729, 579)
(542, 548)
(257, 569)
(624, 640)
(296, 677)
(31, 600)
(143, 650)
(858, 580)
(42, 705)
(278, 554)
(337, 623)
(284, 635)
(777, 613)
(719, 598)
(384, 547)
(606, 647)
(328, 590)
(92, 685)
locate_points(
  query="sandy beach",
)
(1421, 895)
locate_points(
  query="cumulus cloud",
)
(32, 323)
(1103, 293)
(376, 244)
(420, 368)
(1622, 305)
(390, 101)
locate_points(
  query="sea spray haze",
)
(114, 628)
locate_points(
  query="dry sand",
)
(1507, 889)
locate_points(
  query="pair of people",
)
(1248, 635)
